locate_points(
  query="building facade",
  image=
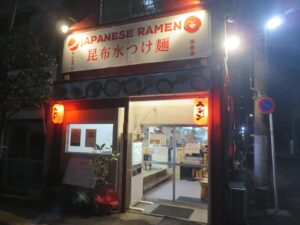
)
(145, 79)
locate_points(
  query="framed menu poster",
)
(82, 138)
(90, 137)
(75, 137)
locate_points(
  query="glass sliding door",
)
(175, 162)
(191, 164)
(158, 166)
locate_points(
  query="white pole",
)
(261, 170)
(273, 162)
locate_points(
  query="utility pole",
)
(261, 181)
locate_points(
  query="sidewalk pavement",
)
(113, 219)
(272, 217)
(16, 212)
(26, 217)
(127, 218)
(132, 218)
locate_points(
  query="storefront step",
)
(155, 179)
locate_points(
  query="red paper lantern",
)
(200, 111)
(58, 111)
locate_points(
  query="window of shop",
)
(22, 168)
(83, 138)
(115, 10)
(26, 139)
(146, 7)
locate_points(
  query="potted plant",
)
(105, 196)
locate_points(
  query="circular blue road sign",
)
(266, 105)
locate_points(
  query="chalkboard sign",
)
(80, 173)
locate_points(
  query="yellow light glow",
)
(274, 22)
(64, 28)
(200, 111)
(232, 43)
(58, 113)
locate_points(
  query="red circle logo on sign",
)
(192, 24)
(73, 44)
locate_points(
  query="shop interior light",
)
(58, 111)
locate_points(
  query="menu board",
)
(80, 173)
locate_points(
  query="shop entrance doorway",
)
(174, 168)
(174, 163)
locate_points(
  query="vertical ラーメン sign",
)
(184, 36)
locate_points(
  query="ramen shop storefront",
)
(143, 90)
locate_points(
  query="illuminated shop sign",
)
(184, 36)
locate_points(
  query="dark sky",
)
(283, 48)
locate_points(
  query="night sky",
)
(283, 50)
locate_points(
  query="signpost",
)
(266, 105)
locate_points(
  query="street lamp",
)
(64, 25)
(64, 28)
(232, 43)
(274, 22)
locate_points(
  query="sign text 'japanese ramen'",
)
(184, 36)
